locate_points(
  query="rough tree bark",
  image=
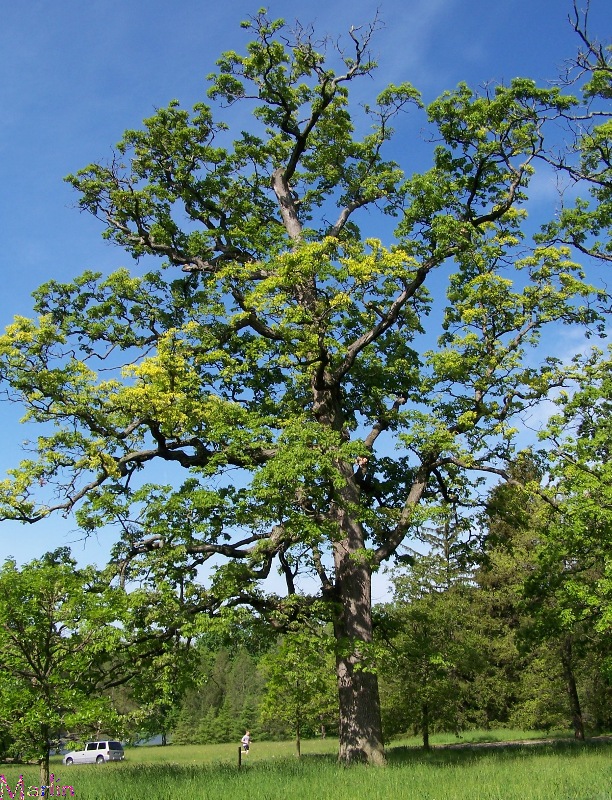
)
(572, 689)
(360, 725)
(359, 705)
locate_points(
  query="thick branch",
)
(382, 424)
(287, 204)
(395, 538)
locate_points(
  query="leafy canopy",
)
(290, 344)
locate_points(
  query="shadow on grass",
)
(503, 751)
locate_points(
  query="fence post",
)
(239, 757)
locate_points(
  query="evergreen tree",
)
(432, 635)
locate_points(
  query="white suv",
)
(95, 753)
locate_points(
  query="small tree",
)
(300, 688)
(431, 638)
(57, 637)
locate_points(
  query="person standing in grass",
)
(246, 742)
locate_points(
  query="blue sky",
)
(75, 74)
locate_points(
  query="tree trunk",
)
(44, 768)
(425, 725)
(298, 737)
(360, 721)
(572, 690)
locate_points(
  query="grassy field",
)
(561, 770)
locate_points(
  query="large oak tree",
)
(320, 389)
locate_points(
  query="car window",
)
(115, 746)
(101, 745)
(92, 746)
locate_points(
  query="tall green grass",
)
(562, 771)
